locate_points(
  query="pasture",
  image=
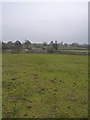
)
(45, 86)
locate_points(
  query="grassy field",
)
(45, 86)
(71, 48)
(77, 50)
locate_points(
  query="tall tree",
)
(10, 45)
(27, 44)
(55, 46)
(4, 46)
(17, 46)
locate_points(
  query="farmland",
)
(45, 86)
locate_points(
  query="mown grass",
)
(45, 86)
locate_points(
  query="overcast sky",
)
(45, 22)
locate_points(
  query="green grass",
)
(76, 50)
(71, 48)
(45, 86)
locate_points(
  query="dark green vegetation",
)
(52, 48)
(45, 86)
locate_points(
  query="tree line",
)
(17, 46)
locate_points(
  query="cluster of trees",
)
(16, 46)
(27, 45)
